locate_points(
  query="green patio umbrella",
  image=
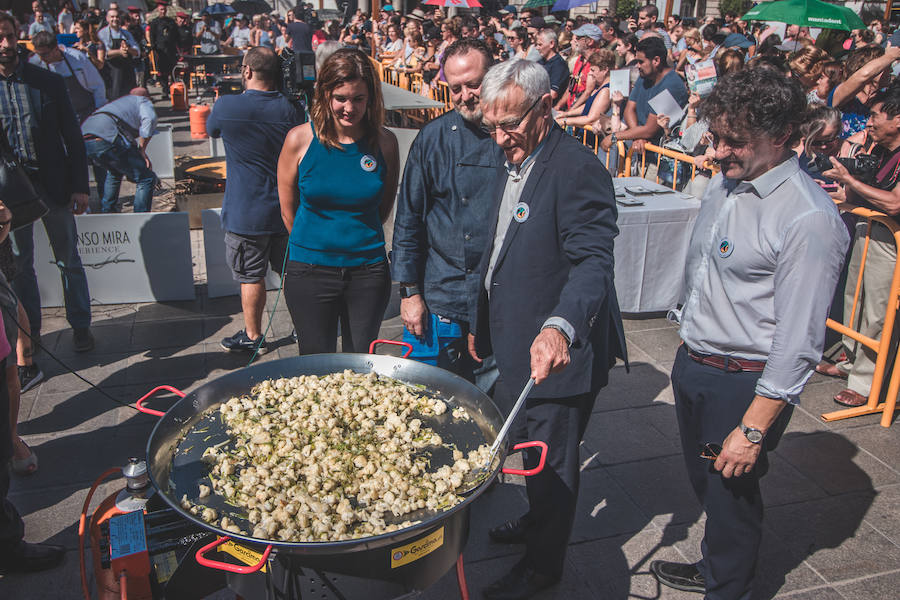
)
(538, 3)
(809, 13)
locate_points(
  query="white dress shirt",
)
(761, 270)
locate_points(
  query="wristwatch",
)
(753, 435)
(613, 139)
(409, 290)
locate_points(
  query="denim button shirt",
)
(442, 225)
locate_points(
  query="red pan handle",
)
(156, 413)
(538, 468)
(408, 347)
(214, 564)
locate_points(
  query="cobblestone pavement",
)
(832, 524)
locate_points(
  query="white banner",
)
(143, 257)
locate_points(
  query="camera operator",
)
(875, 187)
(253, 126)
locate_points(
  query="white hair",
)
(549, 36)
(526, 75)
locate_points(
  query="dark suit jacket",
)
(558, 262)
(62, 162)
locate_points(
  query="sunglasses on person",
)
(824, 143)
(711, 451)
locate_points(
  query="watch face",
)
(754, 435)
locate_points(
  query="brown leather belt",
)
(88, 137)
(727, 363)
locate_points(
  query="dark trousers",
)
(317, 297)
(552, 494)
(165, 62)
(709, 404)
(12, 529)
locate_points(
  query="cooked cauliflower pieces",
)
(332, 458)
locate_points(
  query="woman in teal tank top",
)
(337, 178)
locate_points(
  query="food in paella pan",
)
(331, 458)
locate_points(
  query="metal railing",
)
(882, 345)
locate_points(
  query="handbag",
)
(17, 191)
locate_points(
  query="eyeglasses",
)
(711, 451)
(509, 126)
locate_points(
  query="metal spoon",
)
(476, 477)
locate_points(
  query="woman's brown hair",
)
(730, 61)
(803, 61)
(604, 58)
(344, 66)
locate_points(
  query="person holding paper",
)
(656, 76)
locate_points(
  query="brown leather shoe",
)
(850, 398)
(831, 370)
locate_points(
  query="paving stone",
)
(53, 413)
(644, 481)
(803, 421)
(627, 435)
(660, 344)
(497, 505)
(180, 333)
(879, 586)
(482, 573)
(619, 568)
(61, 583)
(818, 398)
(164, 311)
(103, 370)
(784, 484)
(880, 442)
(161, 365)
(604, 509)
(71, 457)
(820, 593)
(110, 337)
(51, 513)
(644, 385)
(632, 323)
(834, 462)
(780, 570)
(831, 536)
(221, 326)
(883, 515)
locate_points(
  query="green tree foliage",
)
(625, 8)
(738, 7)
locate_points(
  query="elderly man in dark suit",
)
(42, 129)
(548, 307)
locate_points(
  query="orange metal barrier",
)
(593, 142)
(677, 157)
(881, 346)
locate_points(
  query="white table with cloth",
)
(652, 245)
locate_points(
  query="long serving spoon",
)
(476, 477)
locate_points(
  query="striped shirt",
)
(18, 116)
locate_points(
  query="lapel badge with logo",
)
(368, 163)
(725, 248)
(520, 213)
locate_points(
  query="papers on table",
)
(664, 103)
(620, 81)
(631, 191)
(701, 76)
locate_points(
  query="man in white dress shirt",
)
(761, 270)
